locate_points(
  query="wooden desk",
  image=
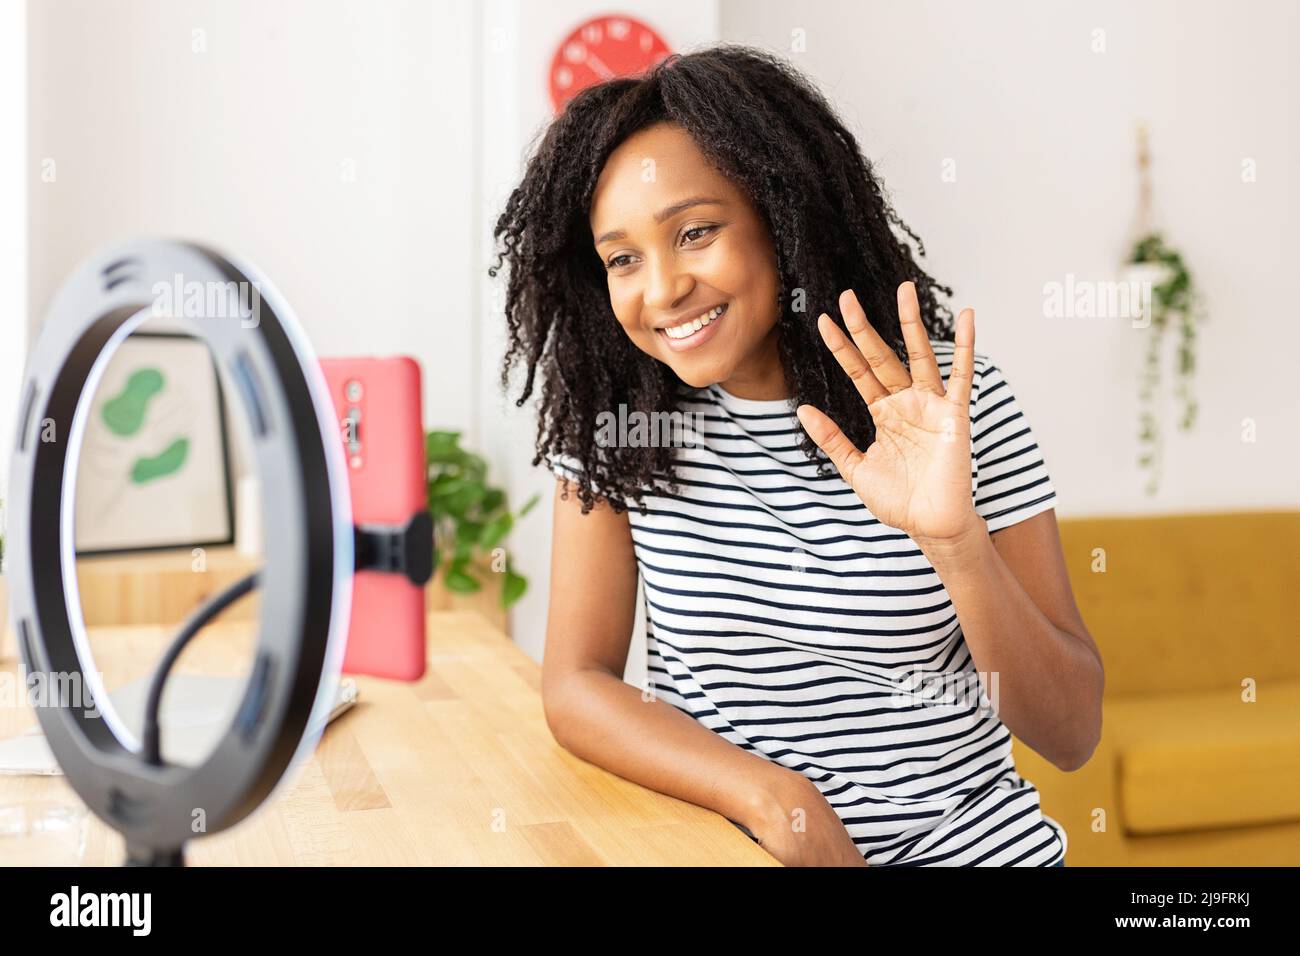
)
(456, 769)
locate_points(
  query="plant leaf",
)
(460, 501)
(442, 447)
(493, 499)
(496, 529)
(459, 580)
(474, 467)
(513, 588)
(468, 532)
(444, 485)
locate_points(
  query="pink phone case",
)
(378, 404)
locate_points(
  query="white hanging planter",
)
(1144, 277)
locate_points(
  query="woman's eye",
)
(617, 262)
(696, 233)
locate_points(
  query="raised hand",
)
(916, 476)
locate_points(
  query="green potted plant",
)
(1174, 303)
(1174, 307)
(471, 519)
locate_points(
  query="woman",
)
(709, 240)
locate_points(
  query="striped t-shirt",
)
(782, 615)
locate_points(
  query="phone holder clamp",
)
(398, 549)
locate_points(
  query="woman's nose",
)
(668, 285)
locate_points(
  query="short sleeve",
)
(1011, 481)
(565, 466)
(570, 469)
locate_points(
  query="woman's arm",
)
(596, 715)
(916, 476)
(1012, 594)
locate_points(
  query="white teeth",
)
(694, 325)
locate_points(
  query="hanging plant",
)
(1174, 306)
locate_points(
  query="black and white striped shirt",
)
(782, 615)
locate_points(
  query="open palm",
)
(916, 476)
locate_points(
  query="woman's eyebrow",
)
(663, 214)
(675, 208)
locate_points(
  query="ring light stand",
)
(309, 544)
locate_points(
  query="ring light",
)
(309, 542)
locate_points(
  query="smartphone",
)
(378, 405)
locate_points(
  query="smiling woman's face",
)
(691, 268)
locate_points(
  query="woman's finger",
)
(920, 356)
(851, 360)
(962, 373)
(844, 455)
(884, 363)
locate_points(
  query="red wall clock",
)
(600, 49)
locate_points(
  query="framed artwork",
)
(154, 466)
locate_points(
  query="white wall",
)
(244, 145)
(326, 141)
(13, 227)
(1042, 132)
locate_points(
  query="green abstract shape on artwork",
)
(124, 413)
(165, 463)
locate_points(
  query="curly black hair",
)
(772, 133)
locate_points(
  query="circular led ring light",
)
(308, 556)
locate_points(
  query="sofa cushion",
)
(1208, 759)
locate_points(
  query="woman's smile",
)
(693, 333)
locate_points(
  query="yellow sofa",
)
(1194, 615)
